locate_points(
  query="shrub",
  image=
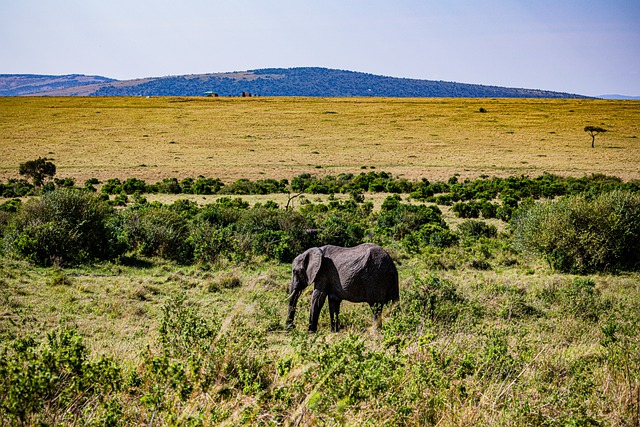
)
(430, 235)
(340, 229)
(55, 384)
(488, 209)
(222, 213)
(112, 186)
(131, 185)
(158, 231)
(397, 219)
(277, 233)
(577, 234)
(120, 200)
(473, 229)
(63, 226)
(186, 208)
(210, 242)
(16, 188)
(275, 244)
(169, 186)
(11, 206)
(64, 182)
(204, 185)
(466, 209)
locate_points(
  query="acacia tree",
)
(593, 131)
(38, 170)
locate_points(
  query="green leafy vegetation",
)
(583, 234)
(63, 226)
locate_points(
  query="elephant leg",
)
(377, 319)
(334, 312)
(293, 301)
(317, 301)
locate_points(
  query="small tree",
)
(593, 131)
(38, 170)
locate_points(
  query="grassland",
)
(513, 345)
(482, 334)
(232, 138)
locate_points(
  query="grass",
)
(232, 138)
(509, 349)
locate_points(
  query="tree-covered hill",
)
(317, 82)
(314, 82)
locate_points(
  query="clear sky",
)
(590, 47)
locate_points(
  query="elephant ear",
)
(313, 261)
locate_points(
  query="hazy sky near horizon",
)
(590, 47)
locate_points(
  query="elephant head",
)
(305, 269)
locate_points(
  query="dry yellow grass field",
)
(232, 138)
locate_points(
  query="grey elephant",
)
(364, 273)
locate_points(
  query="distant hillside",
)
(620, 97)
(26, 84)
(316, 82)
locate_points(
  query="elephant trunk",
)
(293, 301)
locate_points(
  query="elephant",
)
(364, 273)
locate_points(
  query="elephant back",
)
(367, 273)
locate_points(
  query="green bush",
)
(578, 234)
(223, 212)
(340, 229)
(16, 188)
(65, 226)
(210, 242)
(169, 186)
(204, 185)
(474, 229)
(131, 185)
(430, 235)
(275, 244)
(55, 384)
(466, 209)
(277, 233)
(397, 219)
(158, 231)
(112, 186)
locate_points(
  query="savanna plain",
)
(516, 244)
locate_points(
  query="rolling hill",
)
(27, 84)
(314, 82)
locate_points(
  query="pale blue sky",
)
(586, 47)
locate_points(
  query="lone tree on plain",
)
(38, 170)
(593, 131)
